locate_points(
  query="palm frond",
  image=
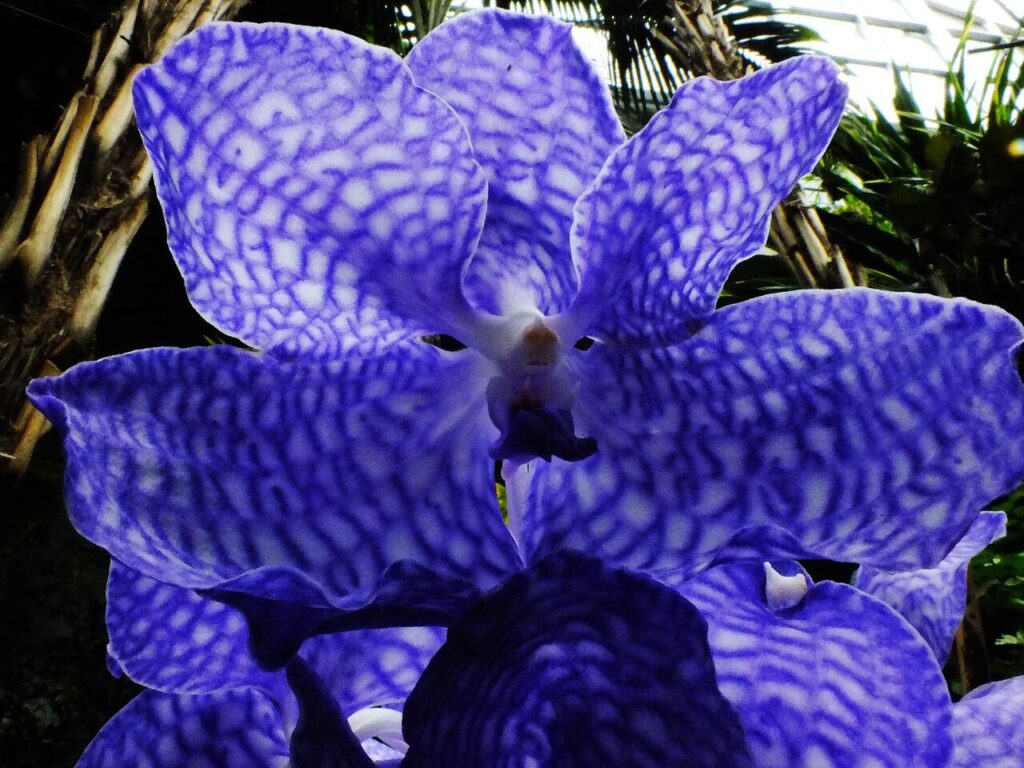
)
(643, 71)
(760, 36)
(931, 200)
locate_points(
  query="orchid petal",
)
(838, 679)
(230, 729)
(572, 663)
(542, 124)
(316, 199)
(856, 425)
(988, 729)
(343, 672)
(284, 609)
(170, 639)
(218, 468)
(373, 667)
(690, 196)
(933, 599)
(175, 640)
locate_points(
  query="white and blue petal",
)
(240, 728)
(373, 667)
(218, 468)
(933, 599)
(857, 425)
(266, 720)
(284, 608)
(169, 638)
(837, 678)
(690, 196)
(172, 639)
(316, 199)
(574, 663)
(542, 124)
(988, 729)
(350, 689)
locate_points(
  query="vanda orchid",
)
(573, 663)
(334, 206)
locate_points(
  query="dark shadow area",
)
(55, 690)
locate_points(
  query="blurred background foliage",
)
(999, 576)
(934, 202)
(642, 71)
(930, 203)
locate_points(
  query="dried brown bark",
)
(969, 644)
(82, 194)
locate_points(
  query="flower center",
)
(530, 401)
(539, 344)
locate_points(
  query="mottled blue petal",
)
(689, 196)
(220, 468)
(857, 425)
(284, 608)
(573, 663)
(315, 198)
(230, 729)
(839, 679)
(372, 667)
(988, 726)
(169, 638)
(542, 124)
(933, 599)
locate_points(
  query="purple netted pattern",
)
(542, 124)
(304, 177)
(690, 195)
(933, 599)
(573, 663)
(372, 667)
(171, 639)
(196, 466)
(323, 206)
(834, 424)
(988, 730)
(333, 677)
(839, 679)
(230, 729)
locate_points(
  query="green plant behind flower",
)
(934, 204)
(644, 75)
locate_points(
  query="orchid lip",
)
(530, 401)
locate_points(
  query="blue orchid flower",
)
(933, 599)
(333, 205)
(233, 713)
(369, 695)
(571, 662)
